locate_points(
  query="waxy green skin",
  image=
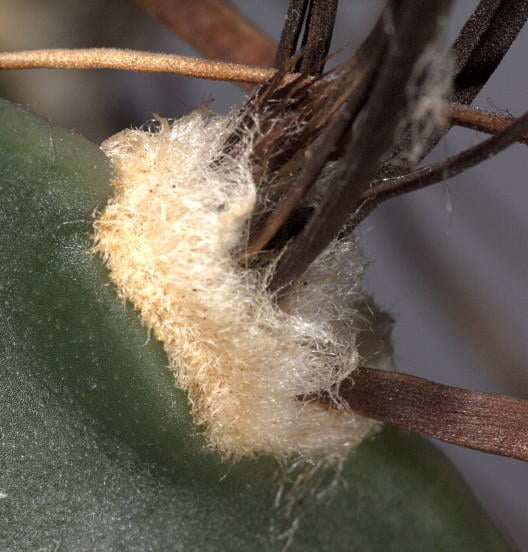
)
(98, 451)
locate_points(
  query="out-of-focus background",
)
(450, 263)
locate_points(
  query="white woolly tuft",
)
(428, 91)
(172, 238)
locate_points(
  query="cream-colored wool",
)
(172, 238)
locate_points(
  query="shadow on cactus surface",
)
(98, 449)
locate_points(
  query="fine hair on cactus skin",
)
(172, 238)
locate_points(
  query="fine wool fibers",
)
(173, 238)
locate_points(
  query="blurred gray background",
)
(450, 263)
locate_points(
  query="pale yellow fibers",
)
(171, 238)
